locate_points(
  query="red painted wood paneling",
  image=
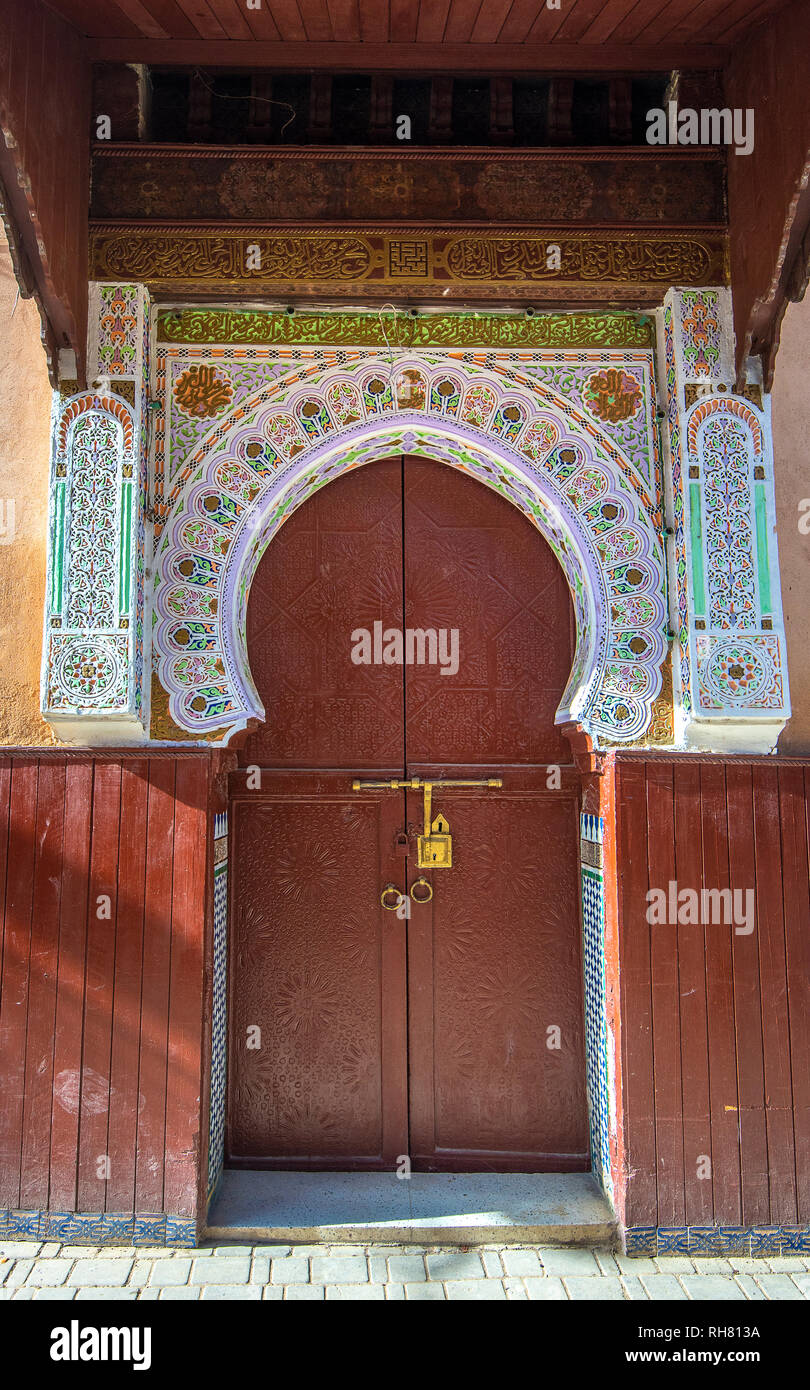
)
(101, 1010)
(721, 1067)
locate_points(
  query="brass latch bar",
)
(435, 849)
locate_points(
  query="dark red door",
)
(455, 1037)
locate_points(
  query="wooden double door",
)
(450, 1032)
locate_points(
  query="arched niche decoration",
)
(737, 631)
(93, 653)
(520, 438)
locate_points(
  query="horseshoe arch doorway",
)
(453, 1035)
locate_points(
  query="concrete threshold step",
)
(425, 1209)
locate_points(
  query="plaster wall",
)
(790, 404)
(25, 414)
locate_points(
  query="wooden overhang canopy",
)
(717, 215)
(587, 35)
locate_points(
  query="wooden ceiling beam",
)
(424, 58)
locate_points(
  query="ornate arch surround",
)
(349, 408)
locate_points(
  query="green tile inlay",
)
(58, 552)
(696, 535)
(763, 568)
(124, 548)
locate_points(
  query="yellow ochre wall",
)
(790, 407)
(25, 421)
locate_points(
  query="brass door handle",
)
(423, 897)
(391, 907)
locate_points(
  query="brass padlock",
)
(435, 844)
(436, 848)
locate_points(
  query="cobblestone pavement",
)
(54, 1271)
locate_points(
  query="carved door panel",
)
(473, 562)
(496, 1047)
(496, 1029)
(335, 565)
(317, 1065)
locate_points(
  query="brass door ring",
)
(422, 897)
(391, 907)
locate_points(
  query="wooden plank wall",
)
(45, 160)
(104, 927)
(715, 1023)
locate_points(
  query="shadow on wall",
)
(790, 403)
(25, 414)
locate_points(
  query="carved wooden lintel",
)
(575, 267)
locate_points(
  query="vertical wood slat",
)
(154, 1020)
(795, 864)
(772, 968)
(99, 984)
(43, 972)
(665, 1011)
(636, 1005)
(5, 817)
(403, 21)
(430, 26)
(723, 1095)
(125, 1053)
(68, 1027)
(183, 1098)
(461, 20)
(16, 950)
(747, 1003)
(697, 1136)
(5, 826)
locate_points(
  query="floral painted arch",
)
(556, 467)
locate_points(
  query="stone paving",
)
(282, 1272)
